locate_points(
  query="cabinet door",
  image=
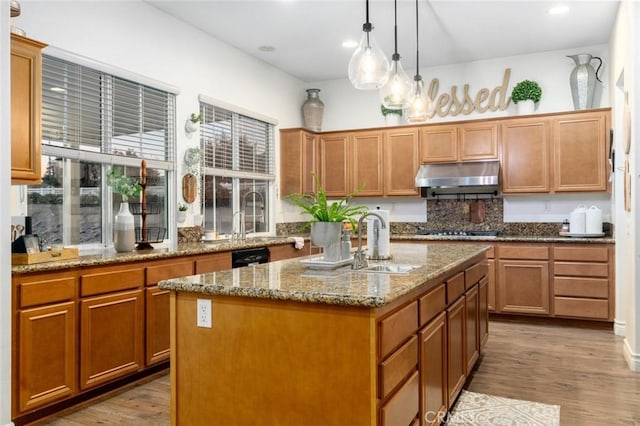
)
(525, 156)
(111, 337)
(26, 77)
(438, 144)
(456, 357)
(298, 161)
(580, 143)
(47, 358)
(483, 312)
(433, 370)
(401, 161)
(157, 325)
(366, 164)
(334, 164)
(478, 141)
(491, 285)
(523, 286)
(472, 342)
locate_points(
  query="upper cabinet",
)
(401, 161)
(459, 142)
(367, 164)
(26, 81)
(335, 164)
(555, 153)
(299, 161)
(580, 143)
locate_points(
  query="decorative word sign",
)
(464, 102)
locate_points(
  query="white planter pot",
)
(526, 107)
(392, 119)
(124, 236)
(323, 234)
(181, 216)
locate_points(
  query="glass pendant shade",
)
(395, 93)
(419, 107)
(368, 67)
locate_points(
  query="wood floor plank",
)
(582, 370)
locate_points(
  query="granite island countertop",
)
(507, 239)
(292, 280)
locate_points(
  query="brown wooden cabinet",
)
(438, 144)
(335, 164)
(580, 143)
(401, 161)
(471, 141)
(433, 370)
(483, 312)
(472, 327)
(367, 164)
(26, 83)
(523, 279)
(525, 155)
(583, 281)
(456, 356)
(298, 161)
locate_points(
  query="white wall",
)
(624, 53)
(348, 108)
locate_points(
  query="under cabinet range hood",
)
(470, 177)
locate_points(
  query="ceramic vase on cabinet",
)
(312, 110)
(583, 80)
(124, 236)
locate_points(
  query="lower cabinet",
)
(456, 356)
(433, 370)
(471, 312)
(157, 321)
(483, 312)
(47, 354)
(111, 336)
(403, 407)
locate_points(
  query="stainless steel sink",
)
(390, 268)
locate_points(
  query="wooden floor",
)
(582, 370)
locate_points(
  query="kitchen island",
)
(292, 345)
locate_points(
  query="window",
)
(92, 120)
(238, 171)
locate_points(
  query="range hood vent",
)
(480, 176)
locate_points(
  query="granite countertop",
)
(506, 239)
(292, 280)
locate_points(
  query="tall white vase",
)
(124, 236)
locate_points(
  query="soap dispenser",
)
(345, 246)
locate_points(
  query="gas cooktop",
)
(450, 233)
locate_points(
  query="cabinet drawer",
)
(49, 291)
(581, 269)
(107, 282)
(473, 274)
(171, 270)
(397, 328)
(523, 252)
(583, 308)
(455, 287)
(584, 254)
(596, 288)
(402, 408)
(432, 304)
(398, 366)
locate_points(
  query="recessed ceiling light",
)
(349, 44)
(266, 48)
(557, 10)
(58, 89)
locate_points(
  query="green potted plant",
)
(525, 95)
(124, 238)
(391, 116)
(326, 216)
(182, 212)
(192, 122)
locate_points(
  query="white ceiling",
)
(307, 34)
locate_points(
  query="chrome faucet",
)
(359, 260)
(244, 205)
(241, 234)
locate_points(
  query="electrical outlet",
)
(204, 313)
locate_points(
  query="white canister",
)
(578, 220)
(593, 220)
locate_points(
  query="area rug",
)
(477, 409)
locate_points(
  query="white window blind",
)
(90, 110)
(236, 145)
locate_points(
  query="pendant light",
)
(394, 94)
(368, 67)
(419, 107)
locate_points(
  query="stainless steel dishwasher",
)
(247, 257)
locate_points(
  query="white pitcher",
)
(593, 220)
(578, 220)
